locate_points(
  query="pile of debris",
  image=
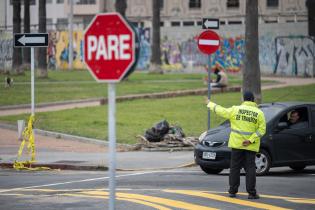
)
(162, 136)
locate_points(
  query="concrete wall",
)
(284, 49)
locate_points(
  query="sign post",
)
(208, 43)
(31, 40)
(109, 53)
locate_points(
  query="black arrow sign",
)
(31, 40)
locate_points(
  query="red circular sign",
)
(208, 42)
(109, 47)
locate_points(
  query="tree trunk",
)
(121, 6)
(17, 52)
(26, 50)
(251, 71)
(155, 66)
(42, 51)
(310, 4)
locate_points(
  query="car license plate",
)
(209, 155)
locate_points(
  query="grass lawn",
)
(79, 84)
(134, 117)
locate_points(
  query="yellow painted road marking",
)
(306, 201)
(208, 194)
(289, 199)
(153, 199)
(225, 199)
(119, 198)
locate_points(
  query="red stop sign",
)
(208, 42)
(109, 47)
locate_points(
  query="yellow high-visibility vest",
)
(247, 123)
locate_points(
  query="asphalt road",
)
(186, 188)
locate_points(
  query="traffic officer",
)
(247, 127)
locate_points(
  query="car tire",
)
(211, 170)
(263, 163)
(297, 168)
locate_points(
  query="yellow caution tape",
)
(28, 136)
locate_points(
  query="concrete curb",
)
(168, 94)
(94, 168)
(192, 164)
(23, 106)
(121, 147)
(63, 136)
(61, 167)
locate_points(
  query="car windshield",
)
(270, 111)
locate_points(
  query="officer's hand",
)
(246, 143)
(206, 100)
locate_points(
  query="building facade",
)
(174, 13)
(284, 45)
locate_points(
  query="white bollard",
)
(21, 126)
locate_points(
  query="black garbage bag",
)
(157, 132)
(177, 131)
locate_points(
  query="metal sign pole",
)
(112, 143)
(209, 86)
(32, 82)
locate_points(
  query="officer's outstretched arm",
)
(219, 110)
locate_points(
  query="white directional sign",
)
(31, 40)
(210, 23)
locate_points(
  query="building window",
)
(234, 22)
(49, 1)
(32, 2)
(188, 23)
(86, 2)
(232, 4)
(194, 4)
(272, 3)
(175, 23)
(62, 23)
(161, 24)
(271, 21)
(60, 1)
(161, 4)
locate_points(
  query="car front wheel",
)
(263, 163)
(211, 170)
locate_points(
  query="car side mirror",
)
(282, 125)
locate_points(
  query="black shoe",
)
(251, 196)
(232, 195)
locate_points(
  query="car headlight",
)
(202, 136)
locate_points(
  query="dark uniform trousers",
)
(242, 158)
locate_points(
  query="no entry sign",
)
(109, 47)
(208, 42)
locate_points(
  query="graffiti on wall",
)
(6, 51)
(294, 56)
(230, 55)
(267, 50)
(58, 50)
(145, 48)
(183, 54)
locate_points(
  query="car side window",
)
(313, 115)
(296, 118)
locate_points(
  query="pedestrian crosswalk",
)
(166, 199)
